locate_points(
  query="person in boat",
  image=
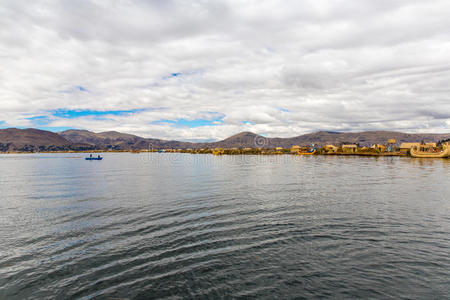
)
(90, 155)
(99, 156)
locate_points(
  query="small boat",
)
(417, 152)
(93, 158)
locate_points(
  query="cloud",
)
(212, 69)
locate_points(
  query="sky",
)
(205, 70)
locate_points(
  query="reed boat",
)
(218, 151)
(417, 152)
(312, 152)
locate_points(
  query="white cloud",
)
(285, 67)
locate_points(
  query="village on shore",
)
(391, 148)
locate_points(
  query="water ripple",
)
(214, 227)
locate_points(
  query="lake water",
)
(172, 226)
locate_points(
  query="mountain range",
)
(33, 140)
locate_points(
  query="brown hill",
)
(119, 141)
(103, 140)
(32, 140)
(240, 140)
(122, 141)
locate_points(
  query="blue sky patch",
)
(75, 89)
(172, 75)
(39, 120)
(48, 128)
(248, 123)
(71, 114)
(81, 89)
(191, 123)
(185, 75)
(55, 129)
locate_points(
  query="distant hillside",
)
(119, 141)
(33, 140)
(39, 140)
(116, 140)
(243, 139)
(88, 137)
(104, 140)
(365, 138)
(122, 141)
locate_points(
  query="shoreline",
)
(254, 152)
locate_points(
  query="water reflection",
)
(181, 225)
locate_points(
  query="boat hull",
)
(421, 154)
(307, 153)
(93, 158)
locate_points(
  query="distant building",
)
(378, 147)
(391, 145)
(406, 147)
(351, 148)
(330, 148)
(427, 147)
(295, 148)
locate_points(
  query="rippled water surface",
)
(175, 226)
